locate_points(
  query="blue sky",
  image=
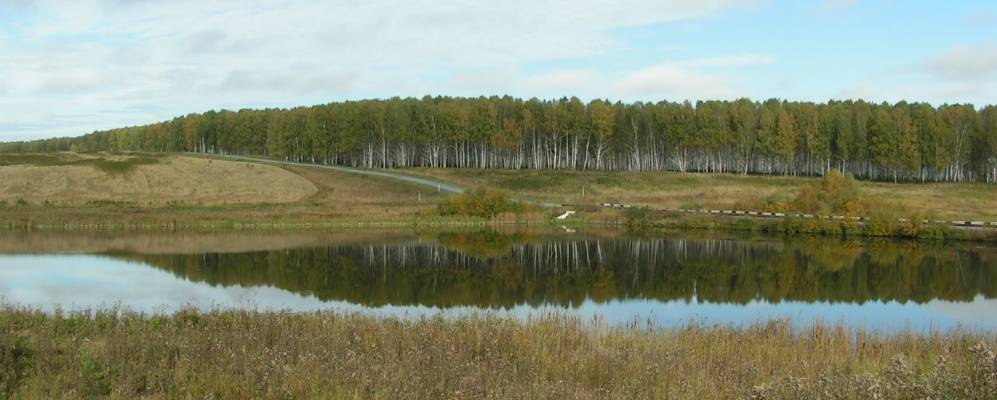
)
(69, 68)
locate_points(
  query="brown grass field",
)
(232, 354)
(287, 195)
(68, 179)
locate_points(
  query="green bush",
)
(848, 228)
(745, 224)
(696, 222)
(881, 223)
(479, 203)
(812, 226)
(835, 193)
(791, 225)
(935, 231)
(638, 218)
(912, 226)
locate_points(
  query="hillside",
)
(81, 179)
(76, 189)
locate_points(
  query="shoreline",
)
(650, 221)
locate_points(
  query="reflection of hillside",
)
(165, 242)
(567, 272)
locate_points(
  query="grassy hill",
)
(60, 189)
(144, 180)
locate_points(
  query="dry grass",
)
(346, 195)
(182, 191)
(284, 355)
(77, 180)
(690, 190)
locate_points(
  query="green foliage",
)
(479, 203)
(901, 141)
(934, 231)
(639, 218)
(911, 226)
(745, 224)
(835, 193)
(850, 227)
(16, 359)
(697, 222)
(791, 225)
(882, 223)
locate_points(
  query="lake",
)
(664, 280)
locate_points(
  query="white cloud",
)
(959, 74)
(737, 60)
(701, 78)
(107, 63)
(561, 82)
(972, 63)
(674, 82)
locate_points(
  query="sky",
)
(71, 67)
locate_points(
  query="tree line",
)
(896, 142)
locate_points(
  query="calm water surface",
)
(666, 280)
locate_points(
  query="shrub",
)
(849, 227)
(815, 226)
(777, 203)
(697, 222)
(881, 223)
(745, 224)
(808, 199)
(791, 225)
(834, 193)
(934, 231)
(479, 203)
(911, 227)
(638, 218)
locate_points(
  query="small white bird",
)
(565, 215)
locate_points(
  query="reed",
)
(250, 354)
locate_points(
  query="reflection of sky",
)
(83, 281)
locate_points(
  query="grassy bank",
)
(957, 201)
(282, 355)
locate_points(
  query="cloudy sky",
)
(70, 67)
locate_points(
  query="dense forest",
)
(902, 141)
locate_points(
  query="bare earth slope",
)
(171, 179)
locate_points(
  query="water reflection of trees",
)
(502, 271)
